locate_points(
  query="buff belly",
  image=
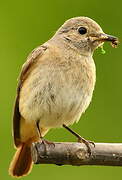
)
(55, 98)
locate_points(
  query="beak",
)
(105, 37)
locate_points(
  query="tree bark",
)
(107, 154)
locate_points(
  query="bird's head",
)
(84, 34)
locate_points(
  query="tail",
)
(22, 161)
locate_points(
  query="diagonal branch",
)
(107, 154)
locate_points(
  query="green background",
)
(26, 24)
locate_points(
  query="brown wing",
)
(26, 68)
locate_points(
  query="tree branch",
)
(107, 154)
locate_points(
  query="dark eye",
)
(82, 30)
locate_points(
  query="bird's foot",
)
(81, 139)
(46, 142)
(87, 143)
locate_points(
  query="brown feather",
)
(16, 123)
(32, 58)
(22, 161)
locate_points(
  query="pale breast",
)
(58, 93)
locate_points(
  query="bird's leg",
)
(80, 139)
(44, 141)
(38, 129)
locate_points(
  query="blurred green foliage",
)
(26, 24)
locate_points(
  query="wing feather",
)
(26, 68)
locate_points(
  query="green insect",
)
(102, 50)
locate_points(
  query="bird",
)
(55, 86)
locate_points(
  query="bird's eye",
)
(82, 30)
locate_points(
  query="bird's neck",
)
(65, 44)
